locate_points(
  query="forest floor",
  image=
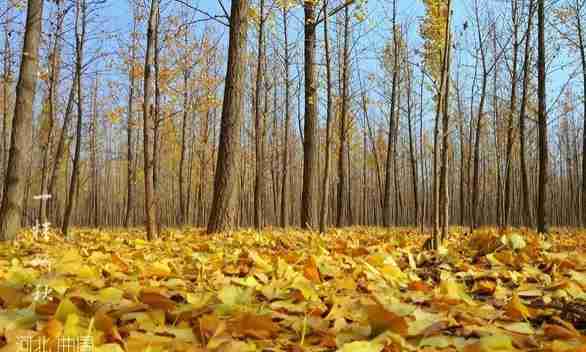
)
(352, 290)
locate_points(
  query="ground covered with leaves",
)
(359, 289)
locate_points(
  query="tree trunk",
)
(55, 59)
(581, 47)
(148, 116)
(387, 211)
(542, 122)
(224, 213)
(259, 179)
(479, 124)
(94, 157)
(12, 200)
(444, 194)
(527, 218)
(411, 145)
(310, 171)
(285, 181)
(5, 94)
(130, 127)
(80, 27)
(325, 182)
(182, 202)
(58, 157)
(341, 207)
(512, 112)
(157, 120)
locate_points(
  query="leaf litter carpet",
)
(356, 289)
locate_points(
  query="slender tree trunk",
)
(542, 220)
(422, 152)
(5, 94)
(387, 210)
(182, 203)
(395, 136)
(93, 157)
(525, 191)
(310, 171)
(476, 174)
(512, 112)
(58, 157)
(412, 146)
(325, 182)
(341, 206)
(80, 25)
(581, 47)
(285, 181)
(224, 213)
(259, 180)
(148, 117)
(129, 129)
(444, 201)
(157, 120)
(55, 59)
(12, 200)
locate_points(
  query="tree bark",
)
(148, 116)
(527, 218)
(310, 171)
(582, 49)
(479, 124)
(325, 182)
(259, 128)
(80, 28)
(542, 220)
(285, 180)
(130, 127)
(444, 194)
(224, 213)
(54, 74)
(182, 202)
(387, 210)
(12, 200)
(512, 112)
(343, 198)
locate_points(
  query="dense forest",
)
(278, 113)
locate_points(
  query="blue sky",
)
(378, 24)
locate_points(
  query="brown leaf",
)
(156, 300)
(310, 271)
(53, 329)
(208, 325)
(328, 341)
(516, 310)
(119, 262)
(10, 297)
(524, 342)
(47, 309)
(484, 287)
(255, 326)
(381, 319)
(554, 331)
(105, 323)
(419, 286)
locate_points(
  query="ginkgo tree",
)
(435, 29)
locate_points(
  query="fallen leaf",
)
(310, 271)
(156, 300)
(256, 326)
(381, 319)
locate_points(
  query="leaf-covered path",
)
(359, 289)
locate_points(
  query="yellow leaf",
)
(66, 307)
